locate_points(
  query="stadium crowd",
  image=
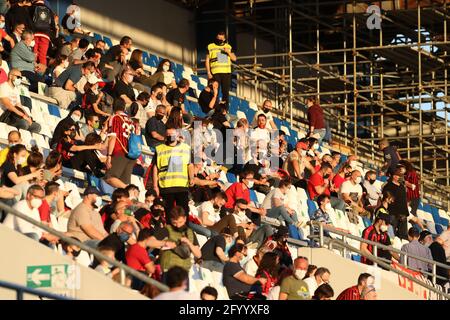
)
(185, 194)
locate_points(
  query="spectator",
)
(112, 62)
(344, 174)
(14, 137)
(241, 144)
(142, 77)
(209, 97)
(268, 269)
(92, 124)
(23, 59)
(377, 232)
(235, 279)
(387, 199)
(123, 213)
(94, 101)
(296, 163)
(4, 36)
(77, 56)
(157, 97)
(293, 287)
(316, 119)
(176, 97)
(72, 20)
(65, 89)
(354, 293)
(444, 240)
(208, 293)
(104, 266)
(351, 192)
(70, 250)
(18, 14)
(100, 44)
(107, 211)
(118, 164)
(414, 247)
(175, 119)
(53, 166)
(29, 207)
(44, 28)
(68, 47)
(12, 172)
(117, 240)
(322, 275)
(72, 119)
(321, 215)
(13, 112)
(251, 267)
(164, 73)
(214, 252)
(155, 128)
(399, 207)
(310, 272)
(85, 223)
(141, 106)
(171, 180)
(391, 157)
(373, 191)
(319, 184)
(177, 280)
(369, 293)
(412, 183)
(261, 132)
(61, 64)
(275, 205)
(220, 121)
(185, 239)
(205, 139)
(438, 252)
(323, 292)
(265, 109)
(218, 63)
(50, 202)
(123, 88)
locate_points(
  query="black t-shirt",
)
(152, 125)
(108, 210)
(218, 120)
(204, 100)
(232, 284)
(111, 55)
(122, 88)
(390, 154)
(162, 234)
(438, 254)
(114, 241)
(8, 167)
(175, 98)
(209, 248)
(400, 206)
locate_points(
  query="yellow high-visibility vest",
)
(219, 61)
(172, 164)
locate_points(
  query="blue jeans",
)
(204, 231)
(281, 214)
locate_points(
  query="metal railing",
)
(20, 290)
(377, 261)
(124, 269)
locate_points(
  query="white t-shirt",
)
(241, 218)
(7, 91)
(260, 134)
(274, 293)
(5, 66)
(251, 267)
(352, 189)
(268, 200)
(373, 192)
(312, 285)
(177, 295)
(213, 214)
(11, 221)
(269, 118)
(152, 104)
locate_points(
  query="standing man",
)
(44, 28)
(316, 119)
(391, 157)
(218, 63)
(416, 248)
(173, 171)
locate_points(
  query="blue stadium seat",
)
(231, 177)
(97, 36)
(439, 229)
(108, 41)
(54, 110)
(444, 222)
(253, 196)
(435, 214)
(356, 257)
(244, 105)
(312, 207)
(366, 221)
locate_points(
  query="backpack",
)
(135, 143)
(42, 18)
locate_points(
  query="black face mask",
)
(72, 135)
(372, 181)
(76, 253)
(181, 229)
(347, 175)
(326, 176)
(156, 213)
(219, 42)
(216, 207)
(171, 139)
(159, 116)
(159, 96)
(266, 110)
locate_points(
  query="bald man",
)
(293, 287)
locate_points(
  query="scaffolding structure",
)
(373, 83)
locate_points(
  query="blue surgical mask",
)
(123, 236)
(245, 260)
(228, 246)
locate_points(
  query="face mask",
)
(328, 207)
(326, 176)
(245, 260)
(300, 274)
(266, 110)
(210, 126)
(372, 181)
(219, 42)
(159, 96)
(17, 82)
(98, 202)
(348, 175)
(75, 118)
(250, 184)
(96, 125)
(123, 236)
(76, 253)
(72, 135)
(171, 139)
(165, 68)
(384, 228)
(159, 116)
(2, 25)
(32, 44)
(35, 203)
(180, 229)
(316, 147)
(304, 152)
(358, 180)
(21, 160)
(241, 213)
(228, 247)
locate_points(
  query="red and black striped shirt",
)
(370, 233)
(351, 293)
(413, 178)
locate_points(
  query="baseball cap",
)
(384, 216)
(159, 202)
(424, 234)
(302, 145)
(91, 190)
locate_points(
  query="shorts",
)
(121, 168)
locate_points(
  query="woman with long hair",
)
(60, 64)
(165, 69)
(137, 64)
(269, 268)
(73, 118)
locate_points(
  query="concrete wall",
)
(157, 25)
(345, 272)
(18, 252)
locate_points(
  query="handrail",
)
(21, 289)
(96, 253)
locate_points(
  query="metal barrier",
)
(20, 290)
(377, 260)
(123, 268)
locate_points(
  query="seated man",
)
(215, 250)
(319, 184)
(12, 111)
(373, 191)
(235, 279)
(24, 59)
(123, 214)
(265, 109)
(351, 193)
(296, 163)
(209, 97)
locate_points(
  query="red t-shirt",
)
(351, 293)
(234, 192)
(316, 180)
(44, 211)
(137, 257)
(338, 180)
(121, 126)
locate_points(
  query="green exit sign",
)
(47, 276)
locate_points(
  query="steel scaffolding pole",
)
(419, 54)
(291, 92)
(355, 87)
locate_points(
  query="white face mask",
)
(328, 207)
(75, 118)
(32, 44)
(21, 160)
(166, 68)
(300, 274)
(304, 153)
(2, 25)
(241, 213)
(384, 228)
(358, 180)
(210, 126)
(17, 82)
(36, 203)
(98, 202)
(250, 184)
(316, 146)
